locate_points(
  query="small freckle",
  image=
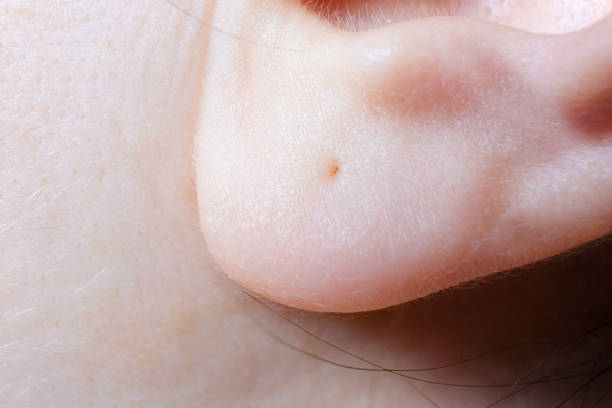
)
(333, 168)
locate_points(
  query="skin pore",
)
(108, 294)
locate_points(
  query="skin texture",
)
(108, 296)
(462, 148)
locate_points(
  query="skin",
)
(111, 295)
(416, 158)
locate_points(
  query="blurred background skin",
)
(108, 296)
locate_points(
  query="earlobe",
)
(416, 157)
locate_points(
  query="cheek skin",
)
(390, 171)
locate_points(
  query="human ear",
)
(393, 163)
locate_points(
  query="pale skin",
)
(145, 157)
